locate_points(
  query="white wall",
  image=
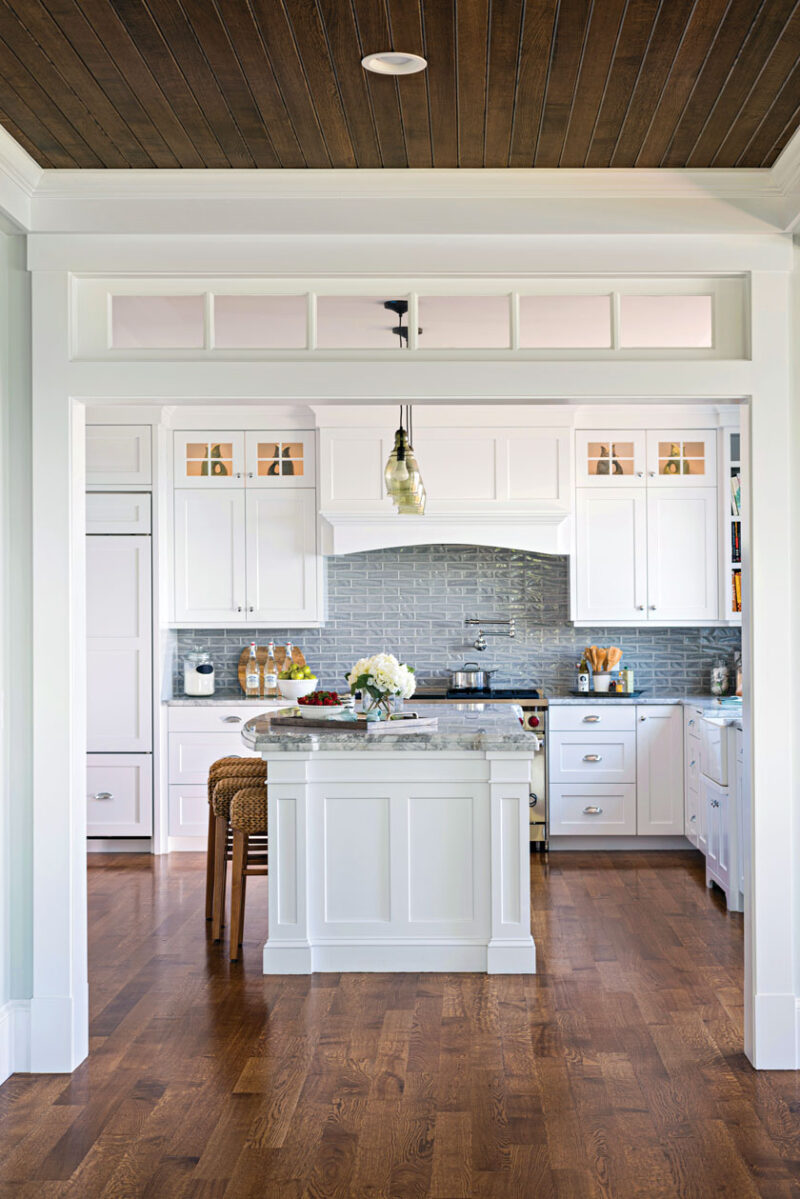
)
(15, 658)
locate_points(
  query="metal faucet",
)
(480, 641)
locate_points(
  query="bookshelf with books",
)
(732, 499)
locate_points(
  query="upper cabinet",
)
(245, 529)
(646, 527)
(214, 459)
(118, 456)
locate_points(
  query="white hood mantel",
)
(545, 532)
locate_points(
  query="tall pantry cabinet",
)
(119, 634)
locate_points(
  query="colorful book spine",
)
(736, 596)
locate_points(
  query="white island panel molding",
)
(399, 852)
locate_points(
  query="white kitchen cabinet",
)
(682, 565)
(119, 795)
(592, 757)
(659, 770)
(278, 460)
(607, 458)
(197, 737)
(209, 459)
(209, 556)
(119, 644)
(593, 810)
(611, 554)
(682, 458)
(110, 512)
(281, 555)
(718, 836)
(118, 456)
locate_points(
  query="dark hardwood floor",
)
(616, 1071)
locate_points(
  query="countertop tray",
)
(426, 724)
(608, 694)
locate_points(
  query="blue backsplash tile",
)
(412, 602)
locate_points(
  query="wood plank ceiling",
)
(510, 83)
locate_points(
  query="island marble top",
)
(494, 730)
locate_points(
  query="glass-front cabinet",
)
(610, 458)
(681, 456)
(216, 459)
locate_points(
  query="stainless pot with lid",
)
(471, 677)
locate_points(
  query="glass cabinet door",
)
(682, 457)
(211, 459)
(276, 458)
(610, 457)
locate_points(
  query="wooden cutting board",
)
(261, 655)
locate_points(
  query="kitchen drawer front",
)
(693, 765)
(692, 813)
(592, 757)
(216, 718)
(119, 795)
(596, 809)
(191, 754)
(605, 718)
(117, 512)
(714, 751)
(692, 718)
(188, 811)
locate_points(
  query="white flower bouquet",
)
(382, 678)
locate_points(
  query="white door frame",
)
(59, 1022)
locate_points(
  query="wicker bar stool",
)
(250, 768)
(224, 791)
(250, 854)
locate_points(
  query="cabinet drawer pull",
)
(692, 818)
(715, 803)
(591, 719)
(103, 795)
(592, 811)
(693, 763)
(592, 757)
(231, 719)
(692, 720)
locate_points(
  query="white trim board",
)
(14, 1038)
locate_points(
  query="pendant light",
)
(402, 475)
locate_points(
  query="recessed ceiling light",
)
(394, 62)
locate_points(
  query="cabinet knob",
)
(715, 803)
(251, 608)
(640, 607)
(652, 607)
(643, 718)
(691, 818)
(239, 608)
(693, 762)
(103, 795)
(592, 757)
(639, 474)
(652, 474)
(593, 811)
(249, 474)
(238, 474)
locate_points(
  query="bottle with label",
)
(287, 662)
(583, 674)
(270, 673)
(252, 677)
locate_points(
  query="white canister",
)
(601, 681)
(198, 674)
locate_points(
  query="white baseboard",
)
(630, 844)
(187, 844)
(15, 1038)
(119, 845)
(776, 1032)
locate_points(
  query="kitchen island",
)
(399, 851)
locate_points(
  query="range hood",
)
(544, 532)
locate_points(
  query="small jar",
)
(198, 673)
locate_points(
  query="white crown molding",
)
(392, 202)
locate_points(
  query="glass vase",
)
(382, 704)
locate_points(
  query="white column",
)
(288, 949)
(511, 948)
(770, 551)
(59, 1007)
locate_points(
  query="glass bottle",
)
(252, 675)
(270, 673)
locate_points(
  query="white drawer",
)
(191, 754)
(599, 810)
(592, 757)
(117, 512)
(188, 811)
(217, 717)
(692, 718)
(692, 814)
(693, 764)
(609, 717)
(714, 751)
(119, 795)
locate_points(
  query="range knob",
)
(533, 722)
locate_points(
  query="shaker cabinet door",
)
(209, 549)
(119, 644)
(682, 566)
(659, 770)
(282, 557)
(610, 559)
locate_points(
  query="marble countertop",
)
(493, 730)
(226, 697)
(710, 702)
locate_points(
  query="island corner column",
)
(288, 948)
(511, 949)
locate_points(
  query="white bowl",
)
(294, 688)
(314, 712)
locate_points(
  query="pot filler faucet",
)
(480, 641)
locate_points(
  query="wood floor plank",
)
(616, 1071)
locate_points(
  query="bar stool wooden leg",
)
(220, 870)
(210, 864)
(238, 888)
